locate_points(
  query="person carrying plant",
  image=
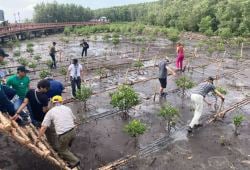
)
(198, 95)
(85, 47)
(180, 57)
(20, 82)
(52, 54)
(163, 73)
(63, 119)
(75, 71)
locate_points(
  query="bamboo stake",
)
(20, 131)
(39, 144)
(117, 163)
(5, 122)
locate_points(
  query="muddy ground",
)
(100, 137)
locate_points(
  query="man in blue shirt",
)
(56, 88)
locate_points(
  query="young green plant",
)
(237, 120)
(83, 94)
(134, 129)
(124, 98)
(170, 114)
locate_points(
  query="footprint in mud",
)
(4, 164)
(219, 162)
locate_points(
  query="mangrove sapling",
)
(184, 83)
(138, 65)
(23, 61)
(32, 65)
(49, 64)
(115, 41)
(37, 58)
(101, 73)
(170, 114)
(83, 94)
(63, 72)
(124, 98)
(44, 73)
(237, 120)
(17, 53)
(134, 129)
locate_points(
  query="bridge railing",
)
(13, 28)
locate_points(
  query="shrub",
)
(237, 120)
(115, 41)
(48, 63)
(221, 90)
(37, 57)
(22, 61)
(16, 53)
(184, 83)
(173, 34)
(124, 98)
(225, 32)
(170, 114)
(44, 73)
(135, 128)
(138, 64)
(83, 94)
(32, 65)
(67, 31)
(101, 72)
(30, 50)
(29, 44)
(63, 71)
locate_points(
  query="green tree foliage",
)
(207, 16)
(44, 73)
(135, 128)
(83, 94)
(170, 114)
(184, 83)
(237, 120)
(55, 12)
(23, 61)
(124, 98)
(221, 90)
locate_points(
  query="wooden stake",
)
(5, 122)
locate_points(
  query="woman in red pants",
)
(180, 56)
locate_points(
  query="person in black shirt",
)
(37, 102)
(52, 54)
(84, 46)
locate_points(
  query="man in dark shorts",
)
(163, 73)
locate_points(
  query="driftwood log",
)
(26, 136)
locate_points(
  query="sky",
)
(25, 7)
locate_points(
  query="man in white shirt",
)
(75, 71)
(63, 119)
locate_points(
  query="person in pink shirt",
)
(180, 57)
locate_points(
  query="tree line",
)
(55, 12)
(213, 17)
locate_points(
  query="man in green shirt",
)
(20, 82)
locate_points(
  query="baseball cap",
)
(57, 98)
(22, 69)
(2, 53)
(210, 78)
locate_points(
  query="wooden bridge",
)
(26, 30)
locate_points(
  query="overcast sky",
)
(25, 7)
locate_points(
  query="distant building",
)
(103, 19)
(1, 15)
